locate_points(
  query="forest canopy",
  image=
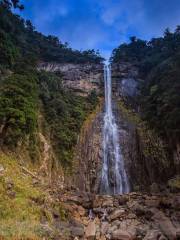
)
(158, 61)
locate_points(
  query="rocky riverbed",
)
(154, 216)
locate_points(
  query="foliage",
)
(24, 205)
(12, 3)
(159, 62)
(18, 103)
(19, 40)
(65, 113)
(21, 48)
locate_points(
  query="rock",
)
(138, 209)
(152, 202)
(162, 237)
(152, 235)
(1, 170)
(82, 78)
(165, 225)
(174, 184)
(90, 232)
(11, 193)
(108, 202)
(154, 188)
(178, 233)
(81, 211)
(116, 222)
(47, 230)
(77, 231)
(121, 235)
(104, 227)
(9, 184)
(116, 214)
(112, 229)
(122, 199)
(176, 203)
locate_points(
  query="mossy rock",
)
(174, 184)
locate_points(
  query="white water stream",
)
(114, 178)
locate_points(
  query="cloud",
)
(102, 24)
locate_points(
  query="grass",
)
(20, 215)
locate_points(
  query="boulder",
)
(176, 203)
(104, 227)
(90, 231)
(121, 235)
(77, 231)
(116, 214)
(108, 202)
(154, 188)
(81, 210)
(152, 235)
(165, 225)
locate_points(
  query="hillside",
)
(156, 65)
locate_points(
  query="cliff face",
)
(88, 152)
(82, 78)
(125, 82)
(146, 157)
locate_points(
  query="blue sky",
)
(102, 24)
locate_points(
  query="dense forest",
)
(158, 61)
(24, 90)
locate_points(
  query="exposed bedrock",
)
(89, 153)
(146, 158)
(82, 78)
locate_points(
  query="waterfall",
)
(114, 178)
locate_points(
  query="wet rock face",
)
(89, 153)
(82, 78)
(125, 81)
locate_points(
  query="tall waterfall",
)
(114, 178)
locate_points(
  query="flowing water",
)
(114, 178)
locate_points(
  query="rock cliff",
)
(88, 152)
(82, 78)
(146, 156)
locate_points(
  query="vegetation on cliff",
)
(64, 113)
(159, 63)
(19, 40)
(24, 91)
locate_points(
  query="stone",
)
(77, 231)
(174, 184)
(152, 235)
(116, 214)
(138, 209)
(162, 237)
(11, 193)
(81, 211)
(112, 229)
(154, 188)
(176, 202)
(121, 235)
(9, 183)
(122, 200)
(165, 225)
(90, 231)
(104, 227)
(108, 203)
(1, 170)
(178, 233)
(152, 202)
